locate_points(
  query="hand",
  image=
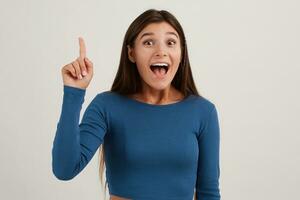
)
(78, 73)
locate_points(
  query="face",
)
(156, 43)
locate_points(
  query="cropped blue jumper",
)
(152, 152)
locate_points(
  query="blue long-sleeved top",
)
(152, 152)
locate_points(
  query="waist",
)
(114, 197)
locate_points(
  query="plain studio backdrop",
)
(244, 57)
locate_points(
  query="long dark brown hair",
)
(128, 80)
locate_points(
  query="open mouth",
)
(159, 69)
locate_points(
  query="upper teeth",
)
(161, 64)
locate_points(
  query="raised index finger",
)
(82, 50)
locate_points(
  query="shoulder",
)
(203, 104)
(102, 97)
(107, 98)
(207, 114)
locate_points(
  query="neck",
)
(164, 96)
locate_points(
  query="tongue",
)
(159, 71)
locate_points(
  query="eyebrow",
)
(151, 33)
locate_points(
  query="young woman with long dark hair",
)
(158, 137)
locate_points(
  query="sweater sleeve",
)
(207, 184)
(75, 144)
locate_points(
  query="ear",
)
(130, 54)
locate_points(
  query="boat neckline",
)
(135, 101)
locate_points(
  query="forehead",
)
(161, 28)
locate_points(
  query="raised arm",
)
(75, 144)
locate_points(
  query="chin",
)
(159, 85)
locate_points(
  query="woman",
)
(160, 138)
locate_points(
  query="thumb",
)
(88, 63)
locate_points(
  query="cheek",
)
(142, 68)
(179, 54)
(177, 57)
(142, 60)
(176, 52)
(142, 64)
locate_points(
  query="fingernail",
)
(80, 77)
(84, 73)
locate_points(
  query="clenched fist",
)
(78, 73)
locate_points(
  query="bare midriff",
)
(114, 197)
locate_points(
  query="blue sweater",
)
(152, 152)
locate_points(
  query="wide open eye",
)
(172, 42)
(148, 42)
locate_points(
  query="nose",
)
(160, 51)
